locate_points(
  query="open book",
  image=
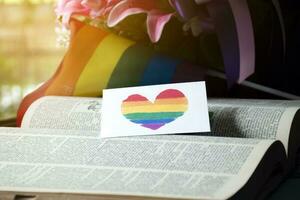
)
(58, 154)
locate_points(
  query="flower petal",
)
(129, 7)
(66, 8)
(156, 22)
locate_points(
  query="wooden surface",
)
(8, 123)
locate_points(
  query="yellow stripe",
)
(98, 70)
(182, 100)
(154, 108)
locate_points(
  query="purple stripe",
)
(186, 9)
(236, 36)
(223, 18)
(153, 126)
(245, 32)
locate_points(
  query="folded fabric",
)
(231, 20)
(97, 59)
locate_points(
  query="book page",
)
(263, 119)
(67, 115)
(172, 166)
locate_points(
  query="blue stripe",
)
(153, 121)
(160, 70)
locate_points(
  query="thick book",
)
(58, 154)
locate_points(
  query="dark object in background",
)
(276, 74)
(274, 67)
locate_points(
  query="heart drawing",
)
(167, 107)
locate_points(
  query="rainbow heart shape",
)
(167, 107)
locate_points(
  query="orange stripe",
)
(80, 51)
(75, 26)
(154, 108)
(169, 101)
(180, 100)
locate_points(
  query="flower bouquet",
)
(110, 13)
(171, 26)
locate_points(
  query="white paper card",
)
(155, 110)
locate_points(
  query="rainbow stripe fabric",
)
(168, 106)
(97, 59)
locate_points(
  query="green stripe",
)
(130, 68)
(156, 115)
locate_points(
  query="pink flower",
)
(156, 18)
(100, 8)
(66, 8)
(116, 11)
(91, 8)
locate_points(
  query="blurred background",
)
(29, 53)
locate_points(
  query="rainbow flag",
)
(97, 59)
(168, 105)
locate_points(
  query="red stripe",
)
(40, 92)
(135, 97)
(170, 94)
(30, 98)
